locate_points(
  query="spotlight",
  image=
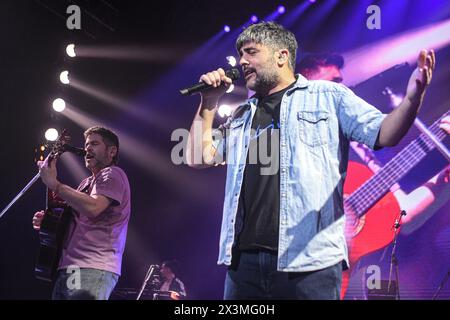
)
(254, 19)
(224, 110)
(396, 99)
(70, 50)
(42, 148)
(281, 9)
(64, 77)
(230, 89)
(226, 28)
(59, 105)
(231, 61)
(51, 134)
(312, 1)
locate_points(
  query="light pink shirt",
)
(99, 242)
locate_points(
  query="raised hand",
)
(421, 76)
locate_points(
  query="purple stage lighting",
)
(254, 19)
(281, 9)
(312, 1)
(226, 28)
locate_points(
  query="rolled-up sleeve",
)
(359, 120)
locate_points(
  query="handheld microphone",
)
(78, 151)
(232, 73)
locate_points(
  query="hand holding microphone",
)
(213, 84)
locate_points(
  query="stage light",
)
(225, 110)
(394, 98)
(281, 9)
(226, 28)
(230, 89)
(231, 61)
(312, 1)
(64, 77)
(254, 19)
(59, 105)
(70, 50)
(42, 148)
(51, 134)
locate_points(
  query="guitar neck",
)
(379, 184)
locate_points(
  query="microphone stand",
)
(441, 285)
(65, 147)
(20, 194)
(150, 272)
(394, 260)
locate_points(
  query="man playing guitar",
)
(91, 256)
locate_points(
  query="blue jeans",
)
(88, 284)
(254, 275)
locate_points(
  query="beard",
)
(95, 163)
(264, 79)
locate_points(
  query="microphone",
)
(232, 73)
(78, 151)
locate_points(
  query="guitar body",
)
(52, 234)
(374, 230)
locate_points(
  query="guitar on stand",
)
(370, 208)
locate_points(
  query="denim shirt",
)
(317, 121)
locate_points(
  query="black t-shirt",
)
(260, 194)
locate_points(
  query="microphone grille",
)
(233, 73)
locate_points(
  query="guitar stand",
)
(441, 285)
(394, 260)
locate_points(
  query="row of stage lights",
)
(59, 105)
(254, 19)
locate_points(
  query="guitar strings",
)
(378, 185)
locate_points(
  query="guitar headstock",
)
(57, 149)
(57, 146)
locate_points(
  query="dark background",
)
(176, 211)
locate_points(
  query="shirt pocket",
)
(313, 127)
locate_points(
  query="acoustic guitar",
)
(370, 208)
(54, 225)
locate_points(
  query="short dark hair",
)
(172, 265)
(314, 60)
(109, 138)
(272, 35)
